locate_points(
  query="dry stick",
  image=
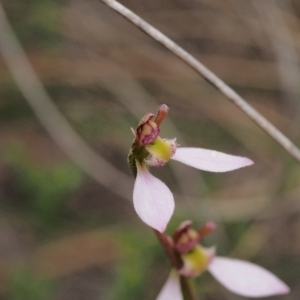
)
(228, 92)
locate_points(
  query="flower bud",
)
(185, 238)
(147, 130)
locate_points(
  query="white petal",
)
(152, 199)
(245, 278)
(171, 290)
(210, 160)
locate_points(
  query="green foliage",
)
(235, 231)
(36, 22)
(25, 285)
(142, 257)
(13, 107)
(44, 187)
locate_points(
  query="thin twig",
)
(228, 92)
(53, 121)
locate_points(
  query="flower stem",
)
(167, 245)
(188, 289)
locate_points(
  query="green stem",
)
(188, 288)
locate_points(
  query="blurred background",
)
(68, 229)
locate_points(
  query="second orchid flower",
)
(238, 276)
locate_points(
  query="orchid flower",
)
(152, 199)
(238, 276)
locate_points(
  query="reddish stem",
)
(186, 286)
(167, 244)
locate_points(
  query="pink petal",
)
(245, 278)
(171, 290)
(210, 160)
(152, 199)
